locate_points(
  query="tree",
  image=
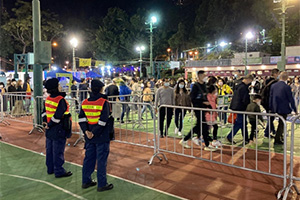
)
(118, 34)
(178, 41)
(19, 26)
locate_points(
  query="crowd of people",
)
(247, 93)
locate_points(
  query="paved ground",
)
(186, 177)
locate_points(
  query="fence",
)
(139, 129)
(228, 155)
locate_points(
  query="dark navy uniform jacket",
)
(56, 130)
(100, 130)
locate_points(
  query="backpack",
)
(265, 95)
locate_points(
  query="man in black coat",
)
(240, 101)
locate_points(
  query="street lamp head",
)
(223, 44)
(169, 50)
(138, 49)
(153, 19)
(249, 35)
(142, 48)
(208, 45)
(54, 44)
(74, 42)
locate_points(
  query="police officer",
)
(93, 120)
(55, 108)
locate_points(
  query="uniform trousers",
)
(95, 152)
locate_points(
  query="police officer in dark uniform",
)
(93, 120)
(55, 109)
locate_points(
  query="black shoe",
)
(118, 119)
(50, 173)
(67, 174)
(161, 136)
(209, 139)
(122, 122)
(107, 187)
(231, 141)
(278, 143)
(87, 185)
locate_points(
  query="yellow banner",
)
(85, 62)
(99, 63)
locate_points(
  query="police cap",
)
(51, 84)
(97, 84)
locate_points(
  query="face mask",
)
(235, 75)
(166, 84)
(205, 79)
(220, 83)
(181, 86)
(278, 76)
(216, 94)
(1, 86)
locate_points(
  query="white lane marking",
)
(123, 179)
(47, 183)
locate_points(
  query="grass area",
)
(31, 181)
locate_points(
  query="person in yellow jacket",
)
(223, 89)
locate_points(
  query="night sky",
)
(74, 14)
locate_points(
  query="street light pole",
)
(74, 43)
(153, 20)
(246, 56)
(140, 49)
(151, 48)
(282, 67)
(74, 60)
(249, 35)
(141, 63)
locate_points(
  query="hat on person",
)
(97, 84)
(51, 84)
(13, 80)
(249, 76)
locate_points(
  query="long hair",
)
(178, 89)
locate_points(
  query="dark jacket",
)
(74, 91)
(56, 130)
(281, 99)
(83, 95)
(101, 133)
(112, 90)
(253, 107)
(236, 83)
(199, 95)
(241, 98)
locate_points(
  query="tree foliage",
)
(19, 26)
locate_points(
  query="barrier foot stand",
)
(160, 159)
(81, 138)
(280, 193)
(4, 122)
(39, 128)
(289, 189)
(139, 124)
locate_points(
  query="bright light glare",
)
(298, 65)
(223, 44)
(138, 49)
(153, 19)
(208, 45)
(54, 68)
(218, 68)
(142, 48)
(108, 67)
(249, 35)
(263, 66)
(74, 42)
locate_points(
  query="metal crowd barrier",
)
(228, 155)
(291, 177)
(133, 129)
(19, 108)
